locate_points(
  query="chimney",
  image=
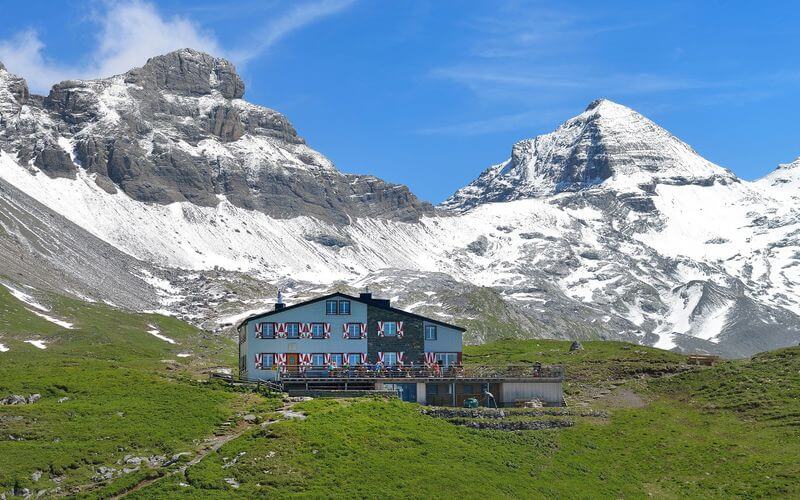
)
(366, 296)
(279, 305)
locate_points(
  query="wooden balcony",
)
(299, 373)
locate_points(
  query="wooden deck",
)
(475, 374)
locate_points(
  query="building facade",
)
(342, 330)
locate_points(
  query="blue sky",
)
(429, 93)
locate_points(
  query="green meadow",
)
(644, 423)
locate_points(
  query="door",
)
(406, 392)
(293, 362)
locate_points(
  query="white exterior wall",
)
(421, 393)
(548, 392)
(313, 312)
(447, 339)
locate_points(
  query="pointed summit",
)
(608, 144)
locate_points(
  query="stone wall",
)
(412, 343)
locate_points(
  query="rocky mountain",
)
(177, 130)
(608, 227)
(606, 144)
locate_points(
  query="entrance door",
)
(293, 362)
(406, 392)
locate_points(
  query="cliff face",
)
(177, 130)
(192, 200)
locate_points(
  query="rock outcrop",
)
(177, 130)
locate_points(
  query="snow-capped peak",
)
(607, 144)
(784, 181)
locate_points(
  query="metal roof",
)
(370, 302)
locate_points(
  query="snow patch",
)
(24, 297)
(37, 343)
(51, 319)
(155, 332)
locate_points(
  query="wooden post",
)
(453, 385)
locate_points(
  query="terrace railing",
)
(427, 372)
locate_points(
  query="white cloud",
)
(130, 32)
(296, 18)
(490, 125)
(135, 31)
(23, 55)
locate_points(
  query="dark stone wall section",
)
(412, 343)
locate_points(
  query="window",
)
(337, 359)
(267, 330)
(331, 307)
(447, 358)
(344, 307)
(354, 359)
(430, 332)
(318, 359)
(317, 330)
(354, 330)
(390, 329)
(292, 330)
(267, 360)
(437, 389)
(390, 358)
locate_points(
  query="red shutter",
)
(380, 328)
(399, 329)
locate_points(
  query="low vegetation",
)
(640, 422)
(109, 390)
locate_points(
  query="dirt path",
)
(214, 443)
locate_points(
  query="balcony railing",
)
(433, 372)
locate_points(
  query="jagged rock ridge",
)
(609, 227)
(177, 130)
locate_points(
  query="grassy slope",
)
(693, 438)
(128, 392)
(731, 430)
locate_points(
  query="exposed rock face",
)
(607, 142)
(188, 72)
(609, 227)
(176, 130)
